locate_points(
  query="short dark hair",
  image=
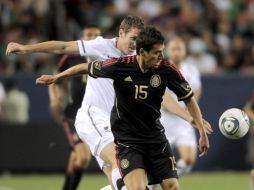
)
(88, 26)
(131, 22)
(91, 25)
(147, 38)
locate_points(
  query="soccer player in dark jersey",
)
(65, 99)
(139, 82)
(249, 109)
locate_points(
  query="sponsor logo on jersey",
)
(128, 79)
(155, 81)
(125, 163)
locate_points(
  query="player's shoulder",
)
(119, 60)
(107, 41)
(170, 68)
(167, 65)
(189, 66)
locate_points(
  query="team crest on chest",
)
(155, 81)
(125, 163)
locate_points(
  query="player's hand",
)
(46, 79)
(203, 145)
(207, 126)
(15, 48)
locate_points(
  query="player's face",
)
(176, 51)
(128, 40)
(154, 56)
(90, 33)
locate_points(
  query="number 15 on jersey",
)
(141, 91)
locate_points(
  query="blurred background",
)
(219, 38)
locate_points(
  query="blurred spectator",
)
(225, 26)
(223, 36)
(15, 107)
(205, 62)
(2, 96)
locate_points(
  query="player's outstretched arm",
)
(171, 105)
(197, 117)
(56, 47)
(72, 71)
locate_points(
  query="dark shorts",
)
(156, 159)
(70, 132)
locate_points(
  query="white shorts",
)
(93, 127)
(178, 131)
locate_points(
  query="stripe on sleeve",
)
(186, 96)
(111, 61)
(83, 46)
(80, 47)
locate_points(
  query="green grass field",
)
(195, 181)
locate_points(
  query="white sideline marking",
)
(5, 188)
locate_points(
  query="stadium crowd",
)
(218, 33)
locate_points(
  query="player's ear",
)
(141, 51)
(121, 32)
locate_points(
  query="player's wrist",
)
(202, 132)
(192, 121)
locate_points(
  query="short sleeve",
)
(104, 69)
(91, 48)
(195, 79)
(178, 84)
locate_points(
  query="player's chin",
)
(156, 66)
(131, 51)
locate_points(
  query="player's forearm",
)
(73, 71)
(171, 105)
(196, 114)
(56, 47)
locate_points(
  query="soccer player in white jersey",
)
(180, 133)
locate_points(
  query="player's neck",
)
(142, 64)
(118, 45)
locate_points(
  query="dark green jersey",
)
(136, 111)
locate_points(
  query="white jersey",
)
(99, 92)
(177, 130)
(192, 75)
(93, 117)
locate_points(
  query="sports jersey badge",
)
(97, 65)
(125, 163)
(186, 87)
(155, 81)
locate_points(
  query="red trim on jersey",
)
(126, 60)
(174, 67)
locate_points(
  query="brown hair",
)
(132, 22)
